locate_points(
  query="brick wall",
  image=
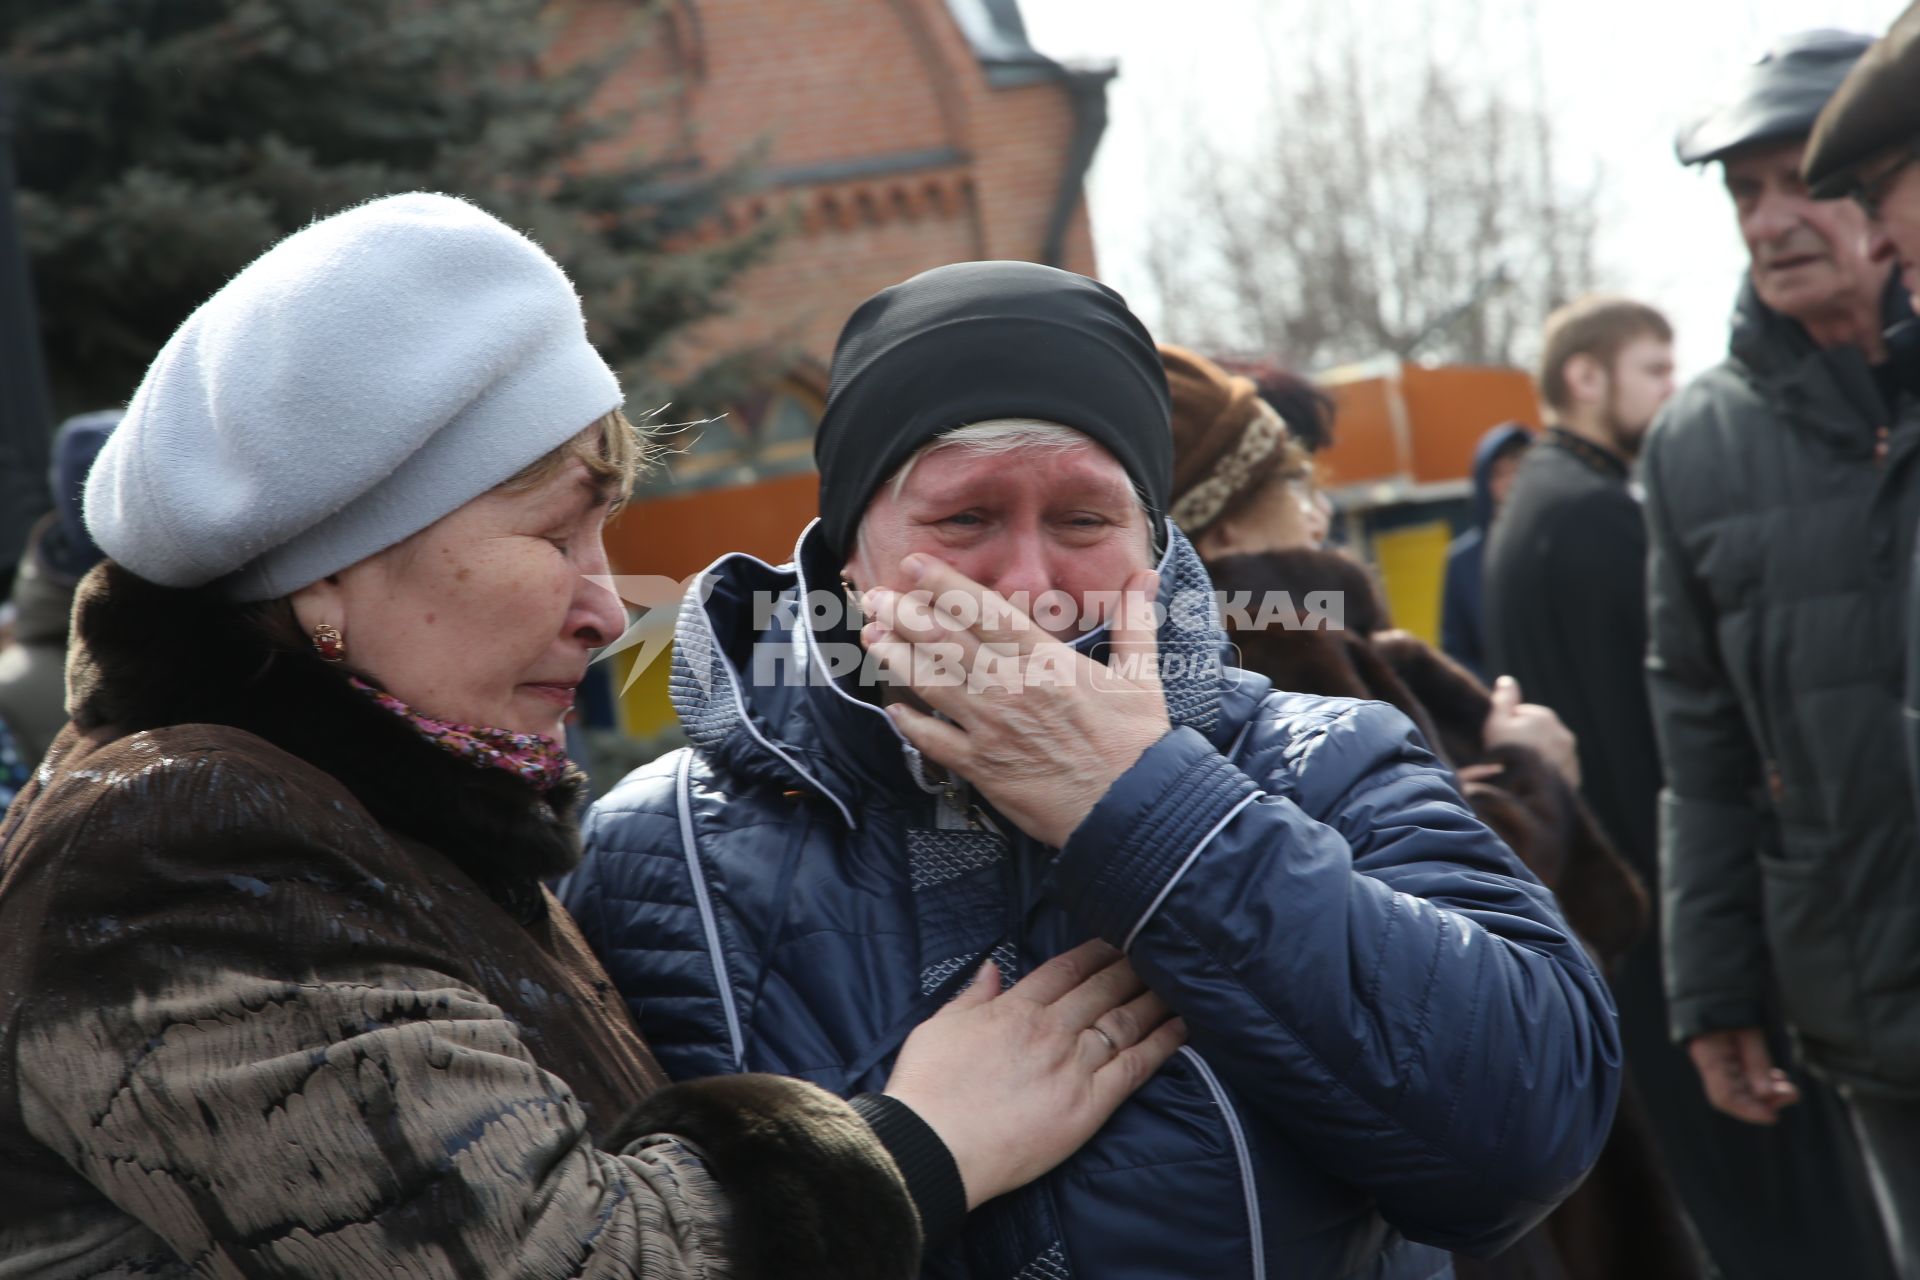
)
(814, 85)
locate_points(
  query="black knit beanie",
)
(982, 340)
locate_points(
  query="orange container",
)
(680, 534)
(1405, 426)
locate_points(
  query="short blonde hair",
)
(616, 454)
(994, 437)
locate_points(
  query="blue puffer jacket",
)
(1393, 1036)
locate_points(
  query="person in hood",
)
(1496, 459)
(33, 688)
(1781, 507)
(983, 716)
(285, 994)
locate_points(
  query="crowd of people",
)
(1711, 589)
(1071, 870)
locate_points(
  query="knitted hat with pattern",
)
(1227, 440)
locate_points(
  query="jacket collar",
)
(765, 693)
(1590, 455)
(1828, 392)
(145, 656)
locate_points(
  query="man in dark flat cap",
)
(1781, 507)
(1864, 146)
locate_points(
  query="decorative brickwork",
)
(893, 137)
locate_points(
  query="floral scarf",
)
(534, 757)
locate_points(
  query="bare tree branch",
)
(1399, 196)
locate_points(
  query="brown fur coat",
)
(281, 994)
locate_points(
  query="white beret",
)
(361, 379)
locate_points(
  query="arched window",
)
(783, 438)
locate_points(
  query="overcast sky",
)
(1620, 77)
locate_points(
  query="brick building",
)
(895, 135)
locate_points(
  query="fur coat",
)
(281, 993)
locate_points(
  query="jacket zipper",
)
(1242, 1154)
(708, 924)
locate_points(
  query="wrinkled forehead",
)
(1070, 464)
(1777, 160)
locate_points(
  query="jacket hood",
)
(763, 692)
(1491, 446)
(146, 657)
(43, 595)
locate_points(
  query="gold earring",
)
(328, 643)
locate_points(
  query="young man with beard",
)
(1566, 559)
(1781, 508)
(1565, 615)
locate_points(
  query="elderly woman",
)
(281, 992)
(1395, 1044)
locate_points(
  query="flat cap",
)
(1777, 98)
(1876, 107)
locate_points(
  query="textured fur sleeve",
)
(814, 1195)
(280, 1063)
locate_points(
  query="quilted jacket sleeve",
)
(1710, 828)
(1364, 961)
(635, 854)
(284, 1065)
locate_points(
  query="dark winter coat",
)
(1782, 496)
(1393, 1035)
(280, 996)
(1912, 707)
(1623, 1220)
(1567, 618)
(1463, 632)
